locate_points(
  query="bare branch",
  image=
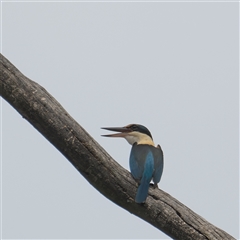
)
(40, 109)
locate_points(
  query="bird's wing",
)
(142, 191)
(158, 164)
(137, 161)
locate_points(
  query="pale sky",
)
(170, 66)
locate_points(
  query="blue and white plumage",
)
(146, 160)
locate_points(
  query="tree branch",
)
(40, 109)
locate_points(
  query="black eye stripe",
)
(134, 127)
(141, 129)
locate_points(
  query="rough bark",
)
(40, 109)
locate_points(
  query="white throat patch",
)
(139, 138)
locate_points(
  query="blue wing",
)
(142, 168)
(158, 165)
(136, 162)
(142, 191)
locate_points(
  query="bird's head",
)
(133, 133)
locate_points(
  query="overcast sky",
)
(171, 66)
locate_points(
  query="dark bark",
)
(40, 109)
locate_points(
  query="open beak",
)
(122, 131)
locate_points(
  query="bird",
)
(146, 160)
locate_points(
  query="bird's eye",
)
(134, 128)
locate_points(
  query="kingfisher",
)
(146, 160)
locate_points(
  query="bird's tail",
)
(142, 191)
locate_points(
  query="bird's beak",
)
(122, 131)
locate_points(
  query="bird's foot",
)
(154, 185)
(138, 182)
